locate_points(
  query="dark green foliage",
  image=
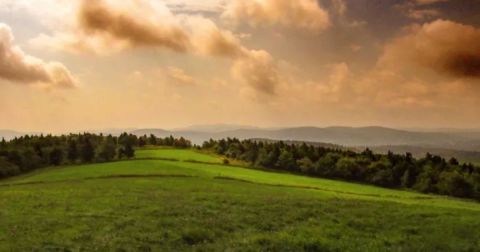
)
(454, 183)
(286, 161)
(56, 156)
(142, 141)
(87, 152)
(27, 153)
(8, 169)
(431, 174)
(108, 149)
(129, 151)
(152, 140)
(72, 152)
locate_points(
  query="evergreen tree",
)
(72, 152)
(306, 165)
(108, 149)
(56, 156)
(87, 151)
(152, 140)
(142, 141)
(3, 143)
(129, 151)
(286, 161)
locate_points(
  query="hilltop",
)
(180, 200)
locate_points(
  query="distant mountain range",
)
(379, 138)
(215, 127)
(346, 136)
(419, 151)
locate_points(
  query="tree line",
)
(27, 153)
(431, 174)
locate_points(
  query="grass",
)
(176, 154)
(177, 205)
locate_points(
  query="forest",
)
(27, 153)
(430, 174)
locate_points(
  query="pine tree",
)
(72, 153)
(3, 144)
(108, 149)
(129, 151)
(87, 152)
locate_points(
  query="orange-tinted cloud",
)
(258, 69)
(447, 47)
(423, 14)
(209, 39)
(304, 14)
(104, 26)
(18, 67)
(94, 17)
(427, 2)
(180, 76)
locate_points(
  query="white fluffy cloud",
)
(19, 67)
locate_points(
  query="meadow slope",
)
(185, 200)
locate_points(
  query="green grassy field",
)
(176, 154)
(151, 205)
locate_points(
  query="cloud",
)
(179, 76)
(96, 18)
(303, 14)
(428, 2)
(107, 26)
(423, 14)
(258, 70)
(420, 9)
(446, 47)
(18, 67)
(340, 7)
(208, 39)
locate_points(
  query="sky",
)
(70, 65)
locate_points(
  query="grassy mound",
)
(162, 204)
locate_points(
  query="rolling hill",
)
(184, 200)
